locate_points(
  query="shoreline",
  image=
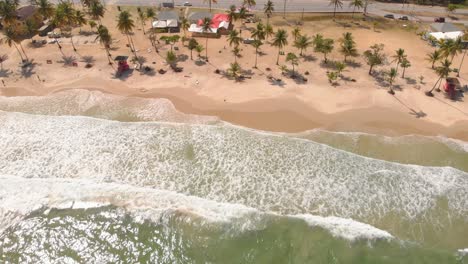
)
(283, 114)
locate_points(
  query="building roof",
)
(25, 12)
(195, 16)
(444, 27)
(168, 15)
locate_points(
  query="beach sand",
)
(363, 105)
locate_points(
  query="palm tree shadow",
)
(182, 57)
(353, 64)
(454, 107)
(124, 76)
(200, 62)
(417, 114)
(309, 58)
(5, 73)
(275, 81)
(28, 69)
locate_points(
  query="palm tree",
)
(171, 59)
(232, 14)
(280, 40)
(291, 57)
(45, 9)
(405, 63)
(284, 8)
(125, 24)
(150, 14)
(192, 44)
(65, 18)
(10, 38)
(199, 49)
(234, 70)
(249, 3)
(268, 31)
(391, 77)
(434, 57)
(206, 27)
(374, 56)
(268, 10)
(210, 1)
(339, 67)
(96, 10)
(302, 43)
(185, 25)
(172, 40)
(465, 38)
(336, 3)
(142, 18)
(234, 40)
(80, 19)
(30, 27)
(442, 71)
(356, 4)
(259, 32)
(348, 46)
(323, 45)
(8, 12)
(105, 39)
(256, 44)
(399, 57)
(92, 24)
(296, 32)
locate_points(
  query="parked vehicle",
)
(187, 4)
(439, 19)
(390, 16)
(403, 18)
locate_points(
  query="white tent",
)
(447, 35)
(172, 23)
(159, 24)
(197, 29)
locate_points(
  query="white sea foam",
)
(225, 164)
(97, 104)
(345, 228)
(21, 196)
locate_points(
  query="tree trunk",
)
(325, 56)
(209, 2)
(435, 85)
(354, 9)
(73, 44)
(461, 63)
(403, 75)
(334, 12)
(25, 55)
(256, 55)
(206, 44)
(277, 60)
(433, 62)
(21, 55)
(191, 52)
(370, 69)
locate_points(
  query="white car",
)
(187, 4)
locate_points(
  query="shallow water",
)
(208, 191)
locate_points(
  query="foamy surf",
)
(20, 197)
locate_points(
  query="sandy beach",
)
(360, 105)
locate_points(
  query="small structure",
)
(444, 31)
(451, 87)
(220, 24)
(26, 13)
(122, 64)
(167, 21)
(45, 29)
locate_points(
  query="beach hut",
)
(167, 21)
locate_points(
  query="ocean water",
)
(87, 177)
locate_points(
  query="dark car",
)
(403, 18)
(389, 16)
(439, 19)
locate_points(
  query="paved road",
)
(374, 8)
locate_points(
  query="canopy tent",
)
(198, 29)
(218, 21)
(448, 35)
(165, 24)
